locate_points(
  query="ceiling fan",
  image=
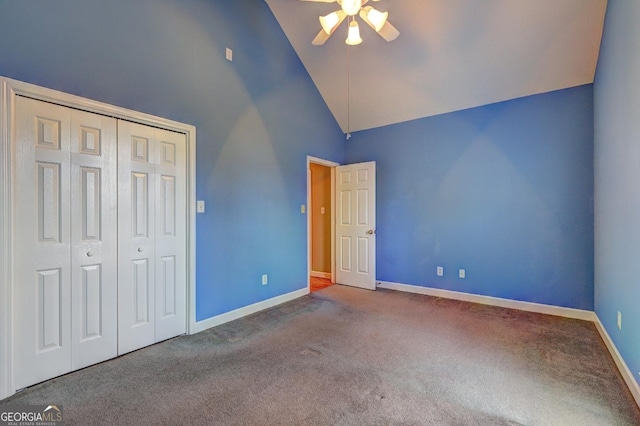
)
(350, 8)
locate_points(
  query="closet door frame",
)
(9, 89)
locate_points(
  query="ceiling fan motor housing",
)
(351, 7)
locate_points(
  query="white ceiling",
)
(450, 55)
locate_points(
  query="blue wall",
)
(257, 117)
(617, 179)
(504, 191)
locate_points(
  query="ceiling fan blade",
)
(321, 38)
(389, 32)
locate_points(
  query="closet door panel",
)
(42, 297)
(136, 236)
(94, 238)
(170, 234)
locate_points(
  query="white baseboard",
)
(627, 375)
(317, 274)
(494, 301)
(247, 310)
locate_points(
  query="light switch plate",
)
(200, 206)
(229, 55)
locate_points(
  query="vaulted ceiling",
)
(450, 55)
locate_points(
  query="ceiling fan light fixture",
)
(353, 37)
(377, 18)
(329, 22)
(351, 7)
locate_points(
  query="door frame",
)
(332, 165)
(9, 89)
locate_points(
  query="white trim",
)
(333, 165)
(494, 301)
(6, 374)
(322, 162)
(334, 262)
(247, 310)
(626, 373)
(9, 89)
(309, 231)
(191, 230)
(317, 274)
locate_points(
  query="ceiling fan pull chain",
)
(348, 92)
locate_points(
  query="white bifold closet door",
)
(152, 235)
(65, 291)
(100, 238)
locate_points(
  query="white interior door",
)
(136, 231)
(171, 234)
(356, 225)
(42, 332)
(65, 288)
(94, 221)
(152, 235)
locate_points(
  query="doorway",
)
(352, 241)
(320, 193)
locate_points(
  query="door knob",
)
(371, 232)
(140, 249)
(89, 253)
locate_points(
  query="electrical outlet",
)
(619, 321)
(265, 279)
(303, 208)
(439, 271)
(462, 273)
